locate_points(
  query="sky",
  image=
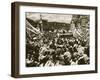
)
(64, 18)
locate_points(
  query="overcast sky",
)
(50, 17)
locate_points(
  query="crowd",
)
(53, 50)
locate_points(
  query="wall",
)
(5, 40)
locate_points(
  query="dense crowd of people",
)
(55, 49)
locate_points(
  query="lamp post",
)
(41, 23)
